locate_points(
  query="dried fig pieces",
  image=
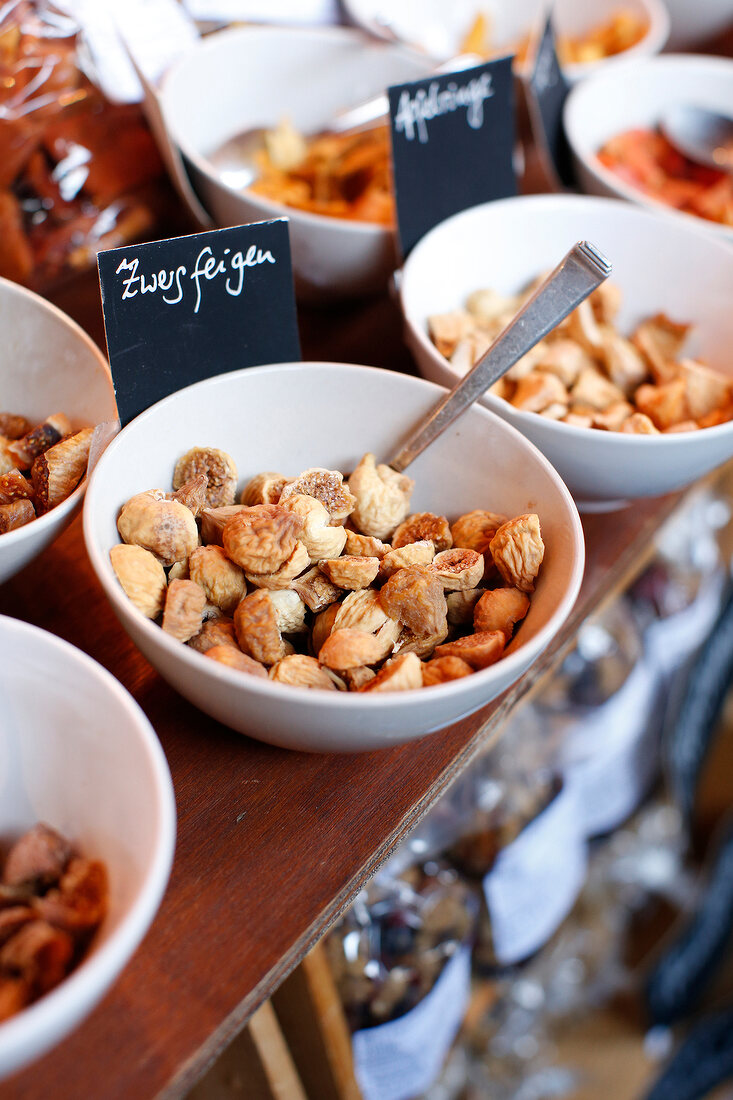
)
(15, 515)
(280, 585)
(51, 902)
(216, 466)
(517, 549)
(261, 538)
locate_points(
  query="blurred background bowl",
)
(633, 95)
(47, 365)
(255, 77)
(440, 28)
(330, 414)
(77, 753)
(661, 265)
(694, 23)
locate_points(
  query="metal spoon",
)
(582, 270)
(703, 135)
(235, 161)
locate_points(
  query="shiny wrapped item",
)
(393, 944)
(77, 173)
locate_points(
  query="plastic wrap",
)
(77, 173)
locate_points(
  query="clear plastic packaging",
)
(77, 173)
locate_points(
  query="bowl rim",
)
(555, 201)
(653, 40)
(100, 966)
(51, 518)
(589, 158)
(269, 207)
(512, 665)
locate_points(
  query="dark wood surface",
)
(272, 845)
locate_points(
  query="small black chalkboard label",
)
(452, 145)
(180, 310)
(546, 94)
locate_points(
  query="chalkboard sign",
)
(180, 310)
(452, 145)
(547, 91)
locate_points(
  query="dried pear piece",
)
(402, 673)
(234, 658)
(222, 581)
(37, 858)
(441, 670)
(423, 527)
(183, 612)
(39, 439)
(500, 609)
(142, 578)
(217, 466)
(39, 954)
(613, 417)
(326, 486)
(350, 572)
(15, 515)
(478, 650)
(537, 391)
(346, 648)
(164, 527)
(517, 549)
(665, 405)
(215, 632)
(58, 471)
(414, 596)
(660, 341)
(382, 497)
(301, 671)
(261, 538)
(255, 623)
(638, 424)
(265, 488)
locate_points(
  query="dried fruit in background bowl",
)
(622, 30)
(645, 159)
(52, 901)
(40, 466)
(298, 584)
(339, 175)
(587, 373)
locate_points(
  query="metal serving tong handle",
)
(575, 277)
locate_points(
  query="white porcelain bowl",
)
(632, 95)
(77, 753)
(47, 365)
(660, 265)
(296, 415)
(255, 76)
(440, 27)
(695, 23)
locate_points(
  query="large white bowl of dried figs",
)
(282, 578)
(57, 404)
(632, 396)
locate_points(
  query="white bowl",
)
(632, 95)
(306, 75)
(296, 415)
(440, 28)
(81, 756)
(694, 23)
(660, 266)
(47, 365)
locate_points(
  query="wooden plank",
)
(309, 1010)
(256, 1066)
